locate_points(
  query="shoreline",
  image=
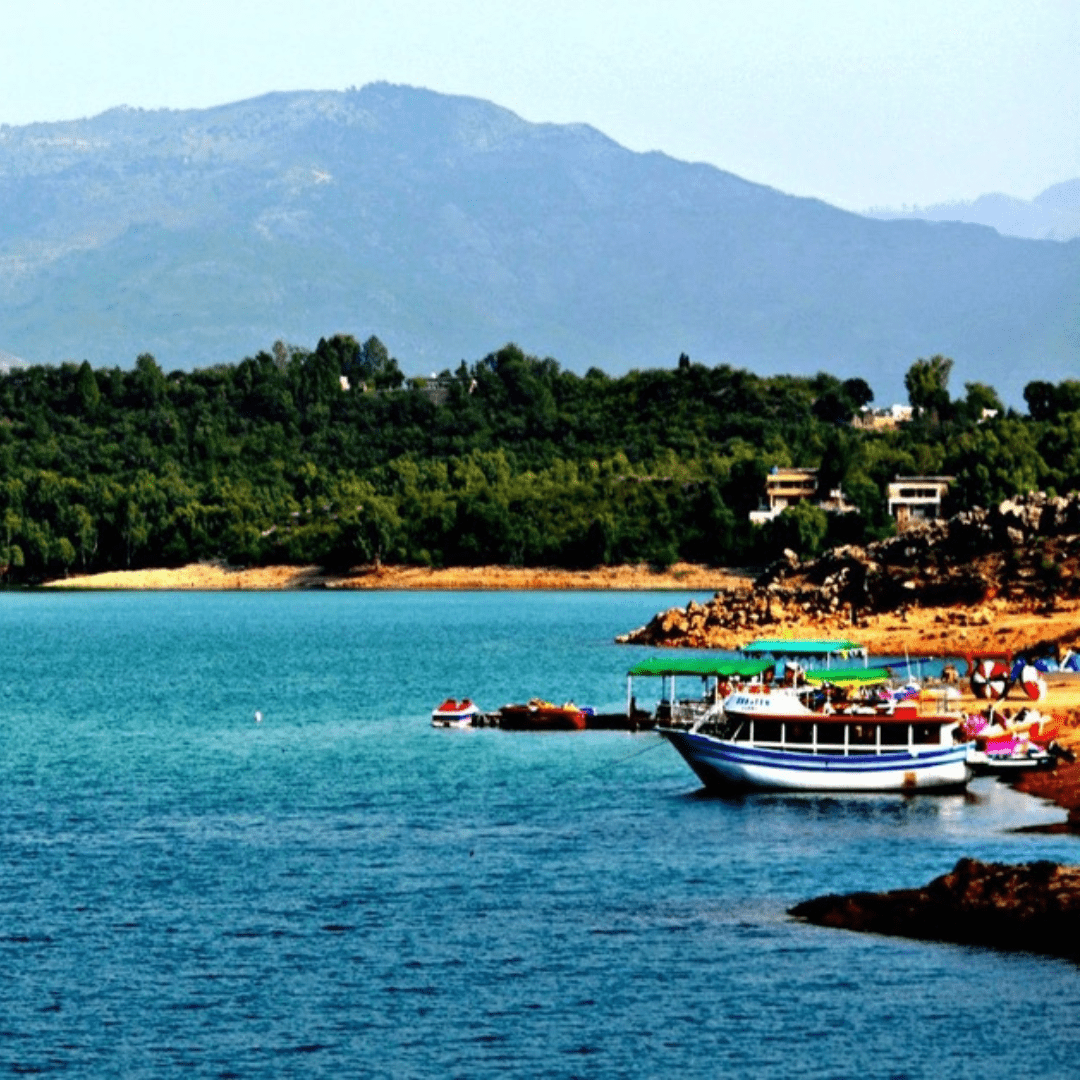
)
(215, 577)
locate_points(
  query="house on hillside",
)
(882, 419)
(786, 486)
(917, 498)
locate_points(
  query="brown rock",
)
(1032, 907)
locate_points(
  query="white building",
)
(917, 498)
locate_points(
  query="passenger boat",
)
(540, 715)
(785, 739)
(453, 713)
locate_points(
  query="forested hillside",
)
(509, 460)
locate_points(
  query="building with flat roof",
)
(917, 498)
(786, 485)
(882, 419)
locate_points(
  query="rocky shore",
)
(1060, 785)
(1033, 907)
(1007, 577)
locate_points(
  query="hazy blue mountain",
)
(448, 226)
(1052, 215)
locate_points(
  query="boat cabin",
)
(844, 734)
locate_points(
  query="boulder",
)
(1033, 907)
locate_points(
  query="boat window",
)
(863, 734)
(800, 732)
(767, 731)
(927, 733)
(742, 733)
(830, 734)
(894, 734)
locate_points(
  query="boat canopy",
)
(811, 649)
(859, 676)
(718, 668)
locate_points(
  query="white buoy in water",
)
(258, 716)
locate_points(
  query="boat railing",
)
(711, 717)
(693, 714)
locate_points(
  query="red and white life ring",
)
(1033, 683)
(990, 679)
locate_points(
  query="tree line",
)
(330, 456)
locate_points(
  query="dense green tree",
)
(927, 385)
(87, 394)
(980, 399)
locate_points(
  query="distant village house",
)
(786, 486)
(882, 419)
(917, 498)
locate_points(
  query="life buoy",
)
(989, 680)
(1033, 683)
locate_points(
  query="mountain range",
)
(1053, 214)
(448, 226)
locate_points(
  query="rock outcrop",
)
(1061, 785)
(1034, 907)
(1025, 549)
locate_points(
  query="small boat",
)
(455, 714)
(540, 715)
(1003, 744)
(785, 739)
(1010, 760)
(1000, 730)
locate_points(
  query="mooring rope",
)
(626, 757)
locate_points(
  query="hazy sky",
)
(859, 103)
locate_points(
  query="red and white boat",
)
(453, 713)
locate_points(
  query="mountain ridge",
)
(1053, 214)
(448, 225)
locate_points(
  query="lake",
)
(342, 890)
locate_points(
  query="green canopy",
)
(722, 669)
(859, 676)
(776, 647)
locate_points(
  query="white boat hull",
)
(453, 721)
(724, 765)
(454, 718)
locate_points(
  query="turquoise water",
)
(342, 890)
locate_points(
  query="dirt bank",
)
(211, 576)
(997, 624)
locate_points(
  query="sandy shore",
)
(211, 577)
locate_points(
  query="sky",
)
(863, 104)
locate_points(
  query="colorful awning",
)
(721, 668)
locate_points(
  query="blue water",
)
(341, 890)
